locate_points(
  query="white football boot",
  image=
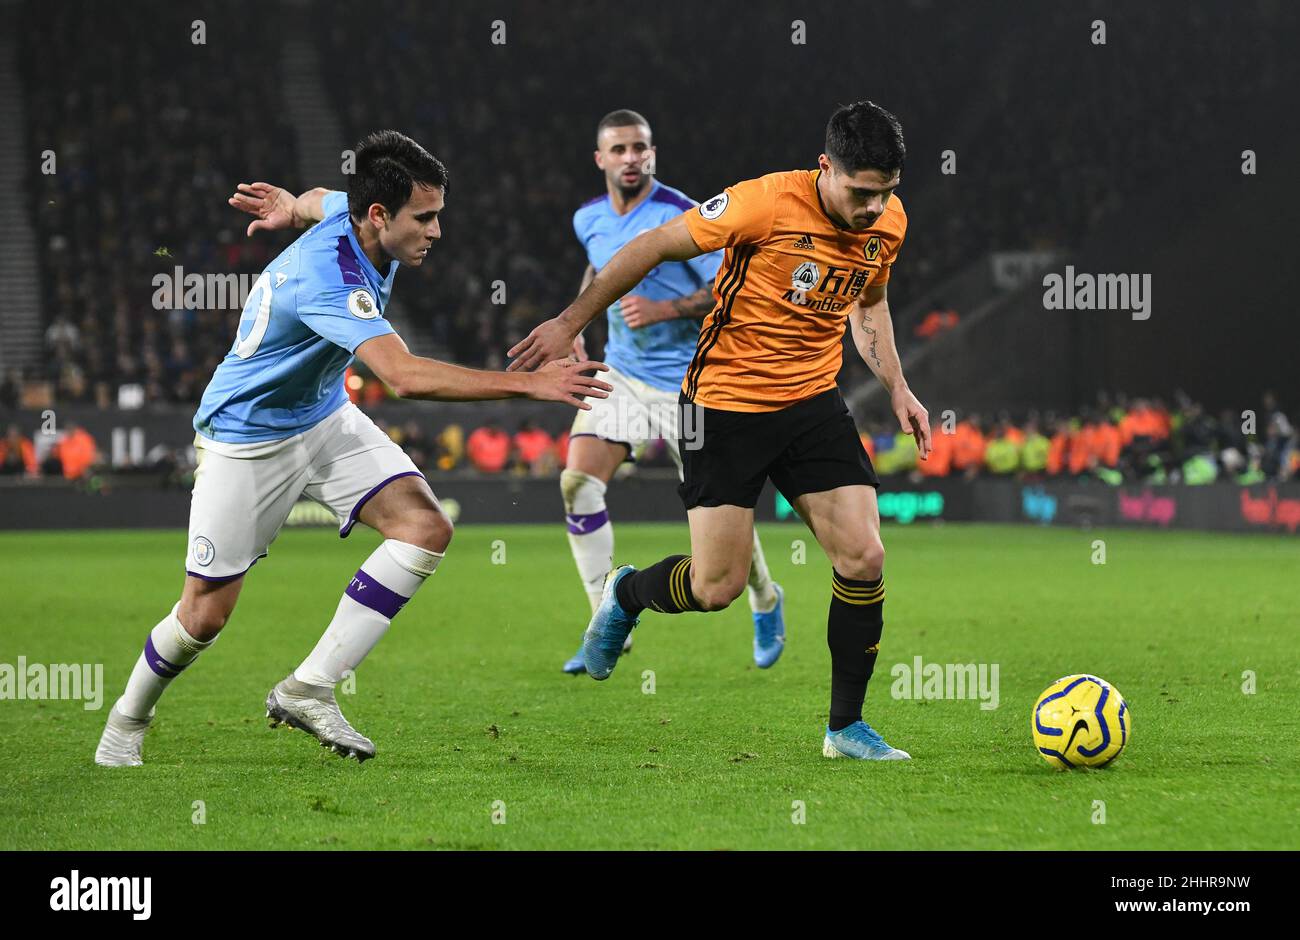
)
(123, 737)
(312, 708)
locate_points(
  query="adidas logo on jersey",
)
(804, 243)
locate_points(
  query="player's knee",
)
(717, 594)
(436, 530)
(582, 492)
(428, 528)
(865, 563)
(204, 618)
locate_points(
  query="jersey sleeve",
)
(581, 227)
(739, 215)
(334, 202)
(346, 316)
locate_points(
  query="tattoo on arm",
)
(694, 306)
(871, 350)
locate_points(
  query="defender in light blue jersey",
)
(275, 424)
(652, 336)
(303, 320)
(655, 343)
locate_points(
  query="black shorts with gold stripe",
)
(810, 447)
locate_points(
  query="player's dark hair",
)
(388, 166)
(620, 118)
(864, 136)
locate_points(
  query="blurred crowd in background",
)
(1115, 441)
(149, 136)
(151, 133)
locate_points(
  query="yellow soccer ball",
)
(1081, 721)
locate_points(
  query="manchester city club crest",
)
(203, 551)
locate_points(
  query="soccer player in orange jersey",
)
(805, 250)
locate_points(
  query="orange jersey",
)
(787, 284)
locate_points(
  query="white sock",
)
(387, 580)
(762, 593)
(591, 537)
(167, 651)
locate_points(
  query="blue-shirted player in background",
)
(275, 424)
(652, 336)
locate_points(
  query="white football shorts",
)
(243, 492)
(633, 414)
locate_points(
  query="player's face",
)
(406, 237)
(858, 198)
(627, 157)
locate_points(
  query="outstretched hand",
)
(272, 206)
(550, 341)
(562, 380)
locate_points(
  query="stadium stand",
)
(150, 145)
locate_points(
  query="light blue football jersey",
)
(658, 354)
(307, 313)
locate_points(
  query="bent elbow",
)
(399, 384)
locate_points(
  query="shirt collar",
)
(368, 268)
(655, 186)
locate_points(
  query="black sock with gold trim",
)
(853, 630)
(665, 587)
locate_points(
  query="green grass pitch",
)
(471, 715)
